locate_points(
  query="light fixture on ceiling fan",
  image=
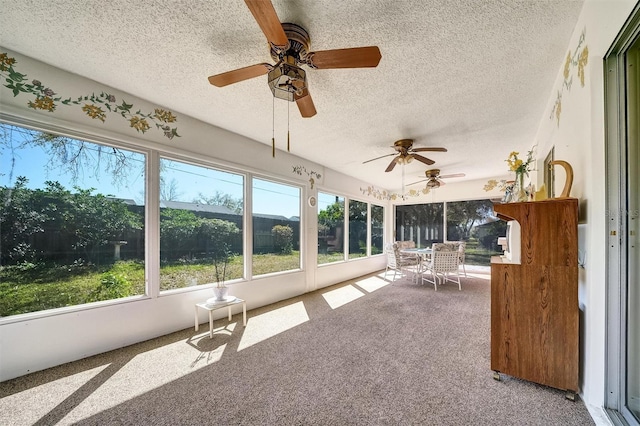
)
(434, 179)
(406, 153)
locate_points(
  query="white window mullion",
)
(248, 226)
(152, 225)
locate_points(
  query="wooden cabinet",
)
(534, 304)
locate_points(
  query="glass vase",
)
(519, 193)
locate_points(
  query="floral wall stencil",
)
(299, 170)
(95, 106)
(391, 196)
(579, 60)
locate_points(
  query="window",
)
(330, 228)
(377, 229)
(422, 223)
(71, 221)
(276, 227)
(358, 218)
(474, 222)
(470, 221)
(201, 212)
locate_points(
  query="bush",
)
(112, 286)
(282, 239)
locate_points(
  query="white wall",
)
(579, 139)
(40, 340)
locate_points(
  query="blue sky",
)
(187, 180)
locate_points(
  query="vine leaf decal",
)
(579, 59)
(95, 106)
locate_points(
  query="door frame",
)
(617, 209)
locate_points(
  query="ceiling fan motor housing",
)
(298, 46)
(287, 79)
(432, 173)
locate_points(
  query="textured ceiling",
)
(471, 76)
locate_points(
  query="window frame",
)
(344, 226)
(249, 239)
(207, 165)
(107, 141)
(367, 224)
(370, 231)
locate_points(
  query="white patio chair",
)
(400, 264)
(443, 266)
(461, 248)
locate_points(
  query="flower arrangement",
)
(518, 165)
(516, 191)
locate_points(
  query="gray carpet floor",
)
(363, 352)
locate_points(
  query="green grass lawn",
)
(478, 255)
(39, 287)
(32, 288)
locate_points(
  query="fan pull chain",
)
(273, 127)
(403, 183)
(288, 108)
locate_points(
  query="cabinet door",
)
(534, 324)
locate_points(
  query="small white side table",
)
(212, 304)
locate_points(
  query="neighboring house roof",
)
(127, 201)
(271, 216)
(209, 208)
(196, 207)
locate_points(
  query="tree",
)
(357, 211)
(357, 227)
(73, 156)
(169, 191)
(219, 234)
(177, 230)
(332, 215)
(420, 222)
(282, 239)
(92, 220)
(18, 222)
(488, 234)
(84, 222)
(221, 199)
(462, 216)
(377, 214)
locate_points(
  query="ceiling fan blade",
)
(356, 57)
(422, 159)
(230, 77)
(455, 175)
(429, 149)
(391, 165)
(267, 18)
(305, 104)
(377, 158)
(418, 181)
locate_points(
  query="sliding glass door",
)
(623, 199)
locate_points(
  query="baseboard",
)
(599, 415)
